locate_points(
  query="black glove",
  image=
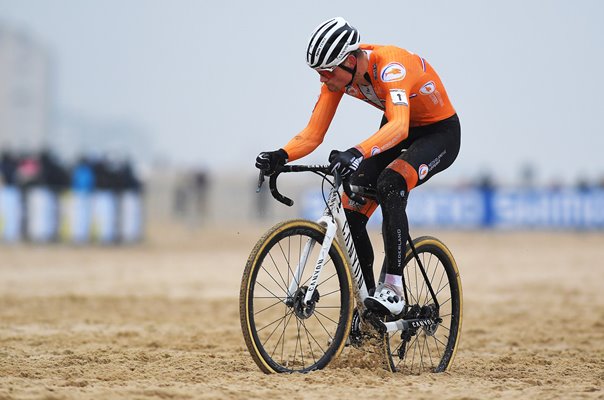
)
(268, 161)
(345, 162)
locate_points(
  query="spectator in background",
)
(117, 201)
(82, 177)
(29, 172)
(54, 180)
(190, 201)
(82, 184)
(11, 204)
(200, 190)
(8, 168)
(486, 185)
(130, 208)
(28, 177)
(52, 173)
(583, 186)
(126, 178)
(104, 208)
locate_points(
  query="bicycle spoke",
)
(408, 288)
(441, 342)
(287, 261)
(326, 280)
(436, 345)
(273, 332)
(445, 302)
(267, 307)
(276, 268)
(330, 293)
(425, 349)
(309, 333)
(269, 291)
(430, 352)
(424, 284)
(260, 329)
(325, 316)
(274, 280)
(282, 338)
(298, 343)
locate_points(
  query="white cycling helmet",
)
(330, 43)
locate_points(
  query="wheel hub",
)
(305, 310)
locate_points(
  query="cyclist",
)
(419, 136)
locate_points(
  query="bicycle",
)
(298, 318)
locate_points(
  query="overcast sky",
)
(213, 83)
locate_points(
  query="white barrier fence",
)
(41, 216)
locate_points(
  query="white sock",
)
(394, 280)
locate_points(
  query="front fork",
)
(332, 218)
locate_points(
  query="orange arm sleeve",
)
(393, 132)
(312, 136)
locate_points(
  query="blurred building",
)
(25, 85)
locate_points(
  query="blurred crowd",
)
(94, 199)
(200, 196)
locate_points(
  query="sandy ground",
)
(160, 321)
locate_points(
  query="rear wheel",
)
(432, 346)
(282, 332)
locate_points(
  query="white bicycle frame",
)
(336, 225)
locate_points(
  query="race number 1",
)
(399, 97)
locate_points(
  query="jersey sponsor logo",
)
(428, 88)
(375, 72)
(422, 171)
(393, 72)
(399, 97)
(375, 150)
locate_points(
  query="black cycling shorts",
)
(429, 149)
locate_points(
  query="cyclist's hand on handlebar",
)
(345, 162)
(269, 161)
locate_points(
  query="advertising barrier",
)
(40, 215)
(499, 208)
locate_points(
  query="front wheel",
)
(284, 333)
(431, 346)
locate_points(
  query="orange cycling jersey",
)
(403, 85)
